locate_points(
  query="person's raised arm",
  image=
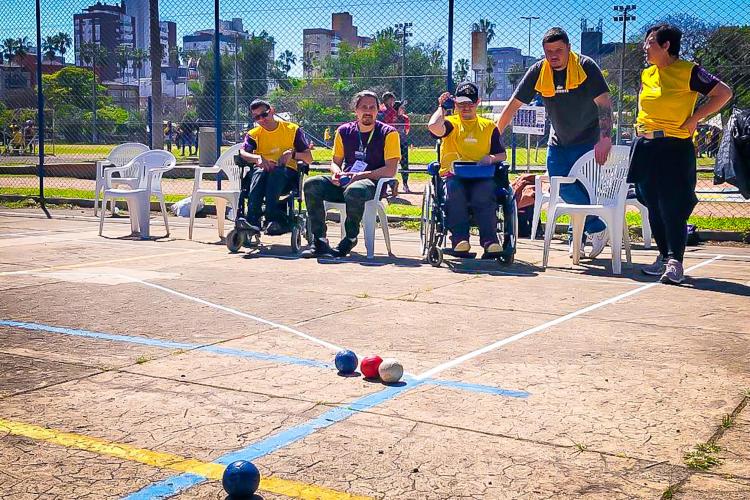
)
(507, 114)
(436, 125)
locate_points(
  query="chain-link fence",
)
(309, 59)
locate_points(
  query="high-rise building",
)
(508, 67)
(231, 33)
(107, 26)
(139, 11)
(319, 43)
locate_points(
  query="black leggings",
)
(667, 188)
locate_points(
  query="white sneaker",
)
(598, 242)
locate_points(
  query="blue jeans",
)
(560, 160)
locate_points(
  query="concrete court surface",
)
(135, 369)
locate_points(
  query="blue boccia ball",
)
(241, 479)
(346, 362)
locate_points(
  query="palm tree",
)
(515, 73)
(49, 46)
(122, 57)
(63, 43)
(461, 69)
(22, 47)
(486, 26)
(286, 60)
(94, 54)
(8, 49)
(138, 56)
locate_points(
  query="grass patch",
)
(727, 421)
(669, 493)
(142, 359)
(737, 224)
(703, 456)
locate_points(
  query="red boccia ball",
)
(369, 366)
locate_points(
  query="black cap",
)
(467, 92)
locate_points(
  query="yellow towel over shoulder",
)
(575, 76)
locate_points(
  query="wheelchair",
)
(433, 230)
(246, 235)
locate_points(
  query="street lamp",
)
(529, 19)
(402, 31)
(623, 16)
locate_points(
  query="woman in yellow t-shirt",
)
(663, 164)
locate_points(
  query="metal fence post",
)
(40, 106)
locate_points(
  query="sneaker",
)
(276, 229)
(406, 188)
(598, 242)
(584, 240)
(345, 247)
(462, 247)
(318, 248)
(674, 274)
(657, 268)
(493, 248)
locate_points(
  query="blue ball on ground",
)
(241, 479)
(346, 362)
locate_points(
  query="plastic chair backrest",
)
(605, 184)
(144, 164)
(227, 165)
(122, 154)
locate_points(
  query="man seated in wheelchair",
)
(273, 148)
(467, 137)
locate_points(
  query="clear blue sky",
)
(285, 19)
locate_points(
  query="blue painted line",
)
(168, 344)
(176, 484)
(487, 389)
(241, 353)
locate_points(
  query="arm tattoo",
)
(605, 121)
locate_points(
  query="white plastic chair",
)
(118, 157)
(148, 168)
(607, 189)
(540, 198)
(645, 224)
(374, 211)
(231, 193)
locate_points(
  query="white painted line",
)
(562, 319)
(241, 314)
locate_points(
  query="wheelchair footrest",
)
(492, 255)
(460, 255)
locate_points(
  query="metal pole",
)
(217, 80)
(151, 123)
(449, 76)
(40, 106)
(236, 108)
(622, 70)
(403, 62)
(528, 52)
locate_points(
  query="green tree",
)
(95, 55)
(50, 47)
(122, 57)
(515, 73)
(63, 43)
(8, 49)
(138, 56)
(461, 70)
(727, 55)
(487, 26)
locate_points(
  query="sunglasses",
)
(260, 116)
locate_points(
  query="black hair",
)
(554, 35)
(258, 103)
(667, 33)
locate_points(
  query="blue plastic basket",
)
(471, 170)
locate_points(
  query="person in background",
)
(403, 125)
(663, 162)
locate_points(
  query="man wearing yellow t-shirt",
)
(274, 146)
(468, 137)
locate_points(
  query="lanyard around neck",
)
(359, 136)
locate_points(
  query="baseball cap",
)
(467, 92)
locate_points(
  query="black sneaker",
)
(345, 246)
(318, 248)
(276, 229)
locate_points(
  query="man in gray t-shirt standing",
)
(576, 98)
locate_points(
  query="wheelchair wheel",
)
(510, 234)
(296, 239)
(435, 256)
(235, 240)
(426, 223)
